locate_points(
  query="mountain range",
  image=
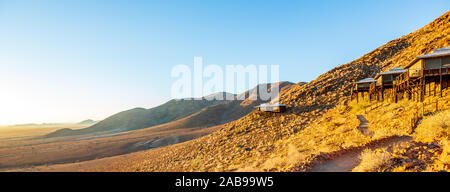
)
(203, 112)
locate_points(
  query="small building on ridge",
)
(276, 108)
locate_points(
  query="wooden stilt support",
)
(429, 88)
(351, 94)
(435, 87)
(357, 99)
(446, 84)
(440, 80)
(424, 86)
(417, 91)
(395, 94)
(422, 92)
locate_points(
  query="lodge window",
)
(388, 78)
(433, 63)
(446, 61)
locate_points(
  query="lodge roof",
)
(436, 53)
(396, 70)
(445, 51)
(366, 80)
(270, 105)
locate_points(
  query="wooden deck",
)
(435, 72)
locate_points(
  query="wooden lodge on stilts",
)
(274, 108)
(385, 83)
(362, 86)
(423, 72)
(422, 76)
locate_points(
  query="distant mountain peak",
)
(225, 95)
(87, 122)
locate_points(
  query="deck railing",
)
(419, 112)
(431, 72)
(445, 70)
(414, 73)
(407, 76)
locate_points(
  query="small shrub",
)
(433, 128)
(292, 157)
(445, 155)
(360, 106)
(373, 160)
(195, 162)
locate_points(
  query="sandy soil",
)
(29, 153)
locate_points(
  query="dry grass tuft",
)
(434, 128)
(293, 156)
(445, 155)
(361, 106)
(373, 160)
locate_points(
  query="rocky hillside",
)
(191, 113)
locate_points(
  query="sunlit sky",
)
(67, 61)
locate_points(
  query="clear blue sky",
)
(72, 60)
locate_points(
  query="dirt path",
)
(350, 159)
(364, 126)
